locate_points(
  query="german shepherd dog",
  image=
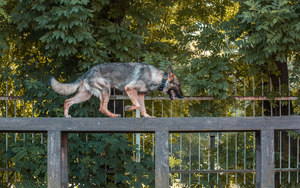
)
(136, 79)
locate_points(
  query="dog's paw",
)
(68, 116)
(115, 115)
(132, 107)
(148, 116)
(128, 107)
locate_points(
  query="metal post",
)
(54, 159)
(162, 159)
(138, 140)
(211, 147)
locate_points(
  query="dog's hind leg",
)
(81, 96)
(104, 93)
(132, 93)
(103, 104)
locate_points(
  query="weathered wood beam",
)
(194, 124)
(265, 160)
(162, 159)
(54, 159)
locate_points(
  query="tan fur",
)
(63, 89)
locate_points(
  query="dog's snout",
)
(179, 94)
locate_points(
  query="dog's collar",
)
(164, 82)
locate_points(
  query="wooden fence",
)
(58, 128)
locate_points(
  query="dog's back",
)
(118, 75)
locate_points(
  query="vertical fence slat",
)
(171, 147)
(289, 158)
(253, 175)
(208, 157)
(153, 151)
(180, 156)
(235, 157)
(280, 155)
(245, 154)
(6, 134)
(271, 106)
(54, 159)
(262, 94)
(161, 159)
(138, 139)
(218, 137)
(266, 171)
(298, 159)
(226, 158)
(190, 156)
(199, 159)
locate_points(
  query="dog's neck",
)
(164, 82)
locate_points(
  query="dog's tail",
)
(65, 89)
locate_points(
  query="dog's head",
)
(173, 88)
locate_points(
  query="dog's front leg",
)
(143, 108)
(132, 94)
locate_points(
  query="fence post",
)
(162, 159)
(265, 159)
(54, 159)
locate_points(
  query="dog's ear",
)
(170, 74)
(169, 70)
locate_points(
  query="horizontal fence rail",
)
(58, 128)
(192, 124)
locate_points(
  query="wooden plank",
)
(161, 159)
(54, 159)
(64, 159)
(187, 98)
(267, 159)
(194, 124)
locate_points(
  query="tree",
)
(66, 38)
(213, 46)
(267, 35)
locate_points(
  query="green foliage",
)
(30, 161)
(266, 31)
(3, 16)
(2, 11)
(211, 68)
(211, 45)
(94, 160)
(112, 152)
